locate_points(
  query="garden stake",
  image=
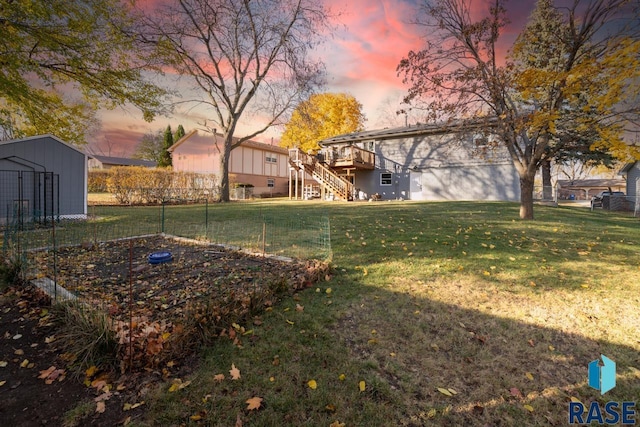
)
(130, 305)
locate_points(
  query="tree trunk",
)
(526, 195)
(547, 187)
(224, 172)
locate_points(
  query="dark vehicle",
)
(596, 201)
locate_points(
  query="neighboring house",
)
(420, 162)
(106, 162)
(263, 166)
(585, 189)
(41, 177)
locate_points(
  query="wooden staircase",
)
(327, 178)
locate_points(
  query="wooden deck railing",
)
(327, 178)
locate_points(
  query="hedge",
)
(140, 185)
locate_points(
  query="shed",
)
(41, 178)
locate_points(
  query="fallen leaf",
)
(254, 403)
(24, 363)
(337, 424)
(528, 408)
(445, 391)
(341, 377)
(362, 386)
(2, 383)
(218, 377)
(312, 384)
(234, 372)
(432, 413)
(100, 407)
(299, 307)
(529, 375)
(3, 364)
(19, 352)
(238, 421)
(515, 392)
(551, 348)
(17, 336)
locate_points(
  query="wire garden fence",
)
(152, 311)
(251, 228)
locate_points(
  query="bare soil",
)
(157, 299)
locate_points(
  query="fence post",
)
(264, 238)
(206, 217)
(162, 221)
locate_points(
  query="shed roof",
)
(36, 137)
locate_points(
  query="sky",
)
(360, 57)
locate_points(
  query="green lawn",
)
(436, 314)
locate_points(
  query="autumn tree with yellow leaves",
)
(570, 78)
(322, 116)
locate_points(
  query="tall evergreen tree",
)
(179, 133)
(165, 156)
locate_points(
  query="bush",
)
(135, 185)
(86, 333)
(97, 181)
(13, 269)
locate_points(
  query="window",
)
(271, 158)
(370, 146)
(271, 183)
(385, 178)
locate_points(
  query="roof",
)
(249, 143)
(31, 138)
(123, 161)
(409, 131)
(566, 183)
(626, 168)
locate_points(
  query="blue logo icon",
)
(602, 374)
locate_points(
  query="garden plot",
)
(158, 309)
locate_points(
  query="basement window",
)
(385, 178)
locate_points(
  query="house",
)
(106, 162)
(631, 171)
(252, 163)
(418, 162)
(585, 189)
(41, 178)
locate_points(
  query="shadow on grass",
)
(502, 371)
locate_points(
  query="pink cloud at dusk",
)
(361, 57)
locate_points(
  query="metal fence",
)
(264, 231)
(252, 229)
(28, 197)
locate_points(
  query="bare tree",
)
(564, 58)
(243, 56)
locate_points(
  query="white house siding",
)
(470, 183)
(432, 165)
(633, 180)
